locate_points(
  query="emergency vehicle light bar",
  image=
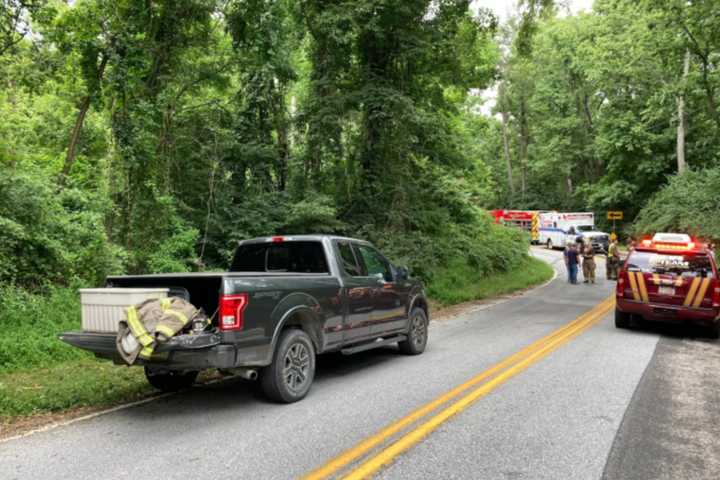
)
(676, 242)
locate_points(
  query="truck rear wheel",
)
(622, 319)
(289, 377)
(168, 380)
(549, 244)
(418, 334)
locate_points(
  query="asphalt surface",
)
(561, 418)
(671, 429)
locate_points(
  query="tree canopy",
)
(152, 135)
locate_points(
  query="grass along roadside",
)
(460, 283)
(73, 383)
(76, 383)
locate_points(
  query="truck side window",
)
(349, 262)
(374, 262)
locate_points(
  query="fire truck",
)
(669, 278)
(527, 220)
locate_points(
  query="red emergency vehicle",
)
(524, 219)
(669, 278)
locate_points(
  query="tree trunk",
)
(283, 147)
(524, 143)
(506, 150)
(77, 129)
(681, 118)
(72, 147)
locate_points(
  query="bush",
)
(30, 323)
(479, 245)
(689, 203)
(50, 235)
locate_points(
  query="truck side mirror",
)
(402, 272)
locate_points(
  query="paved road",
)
(579, 412)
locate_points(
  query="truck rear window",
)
(686, 264)
(293, 257)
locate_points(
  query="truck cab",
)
(669, 278)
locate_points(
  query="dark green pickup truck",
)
(284, 300)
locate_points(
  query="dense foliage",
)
(689, 203)
(591, 111)
(151, 136)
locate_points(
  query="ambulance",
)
(669, 278)
(557, 229)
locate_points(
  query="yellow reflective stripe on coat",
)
(691, 293)
(147, 352)
(643, 289)
(633, 286)
(179, 315)
(165, 330)
(137, 328)
(701, 294)
(165, 303)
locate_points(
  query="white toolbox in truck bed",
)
(103, 308)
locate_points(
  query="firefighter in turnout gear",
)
(613, 260)
(588, 265)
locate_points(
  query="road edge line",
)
(89, 416)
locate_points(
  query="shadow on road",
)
(675, 330)
(235, 393)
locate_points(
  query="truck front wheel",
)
(289, 377)
(168, 380)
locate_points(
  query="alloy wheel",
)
(296, 366)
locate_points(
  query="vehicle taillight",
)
(716, 295)
(620, 287)
(231, 311)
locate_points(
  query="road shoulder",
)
(670, 429)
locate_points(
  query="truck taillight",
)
(716, 295)
(231, 311)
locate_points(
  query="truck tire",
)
(289, 377)
(168, 380)
(622, 319)
(418, 334)
(549, 244)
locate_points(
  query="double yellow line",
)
(485, 382)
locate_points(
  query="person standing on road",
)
(613, 260)
(571, 261)
(588, 265)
